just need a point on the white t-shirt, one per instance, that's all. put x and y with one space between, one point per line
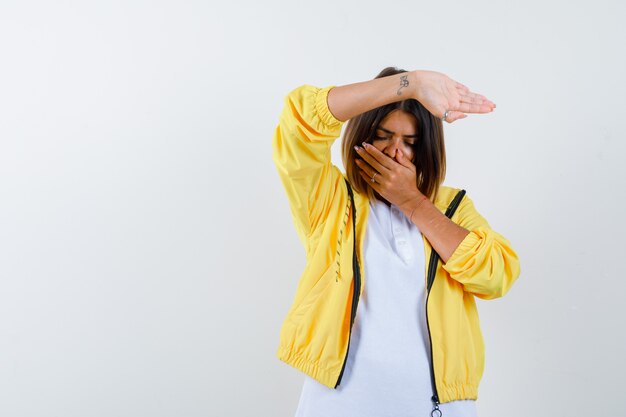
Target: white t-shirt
387 372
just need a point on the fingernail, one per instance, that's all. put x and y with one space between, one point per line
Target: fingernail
356 148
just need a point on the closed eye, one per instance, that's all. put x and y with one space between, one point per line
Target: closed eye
408 142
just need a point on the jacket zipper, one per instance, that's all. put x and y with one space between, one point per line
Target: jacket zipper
431 279
434 258
432 269
357 282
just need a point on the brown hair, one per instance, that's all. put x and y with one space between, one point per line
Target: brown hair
429 148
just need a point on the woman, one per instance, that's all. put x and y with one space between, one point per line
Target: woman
379 326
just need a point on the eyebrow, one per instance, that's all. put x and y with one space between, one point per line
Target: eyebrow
389 131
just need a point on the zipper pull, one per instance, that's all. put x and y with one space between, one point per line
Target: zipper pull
436 411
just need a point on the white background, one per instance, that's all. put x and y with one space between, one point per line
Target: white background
147 251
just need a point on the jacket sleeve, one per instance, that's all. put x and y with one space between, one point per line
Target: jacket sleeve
301 152
484 262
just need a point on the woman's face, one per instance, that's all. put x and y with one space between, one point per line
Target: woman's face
398 130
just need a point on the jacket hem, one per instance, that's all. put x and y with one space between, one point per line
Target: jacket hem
454 392
325 376
328 377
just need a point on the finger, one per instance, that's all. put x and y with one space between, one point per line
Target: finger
369 171
465 95
475 98
382 158
378 160
475 107
462 88
368 179
454 116
468 96
403 160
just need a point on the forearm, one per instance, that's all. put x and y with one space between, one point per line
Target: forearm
443 234
350 100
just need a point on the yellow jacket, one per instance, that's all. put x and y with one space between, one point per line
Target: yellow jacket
315 334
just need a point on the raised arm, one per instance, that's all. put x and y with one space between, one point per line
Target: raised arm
301 152
436 91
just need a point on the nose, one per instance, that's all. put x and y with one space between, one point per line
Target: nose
393 144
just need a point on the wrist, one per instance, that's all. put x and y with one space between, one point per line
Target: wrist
412 205
415 80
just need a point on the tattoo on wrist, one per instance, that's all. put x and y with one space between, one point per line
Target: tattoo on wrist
404 82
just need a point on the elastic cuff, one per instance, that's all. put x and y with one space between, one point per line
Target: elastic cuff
321 106
459 258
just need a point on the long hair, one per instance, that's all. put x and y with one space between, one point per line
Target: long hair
429 148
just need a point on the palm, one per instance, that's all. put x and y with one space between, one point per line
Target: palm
438 93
